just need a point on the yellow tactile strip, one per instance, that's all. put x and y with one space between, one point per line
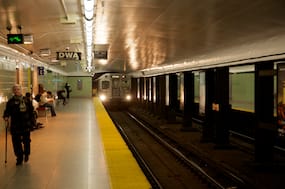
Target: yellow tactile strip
124 171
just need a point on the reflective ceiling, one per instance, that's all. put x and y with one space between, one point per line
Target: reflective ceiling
140 34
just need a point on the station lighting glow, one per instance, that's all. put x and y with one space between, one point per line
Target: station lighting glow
103 97
128 97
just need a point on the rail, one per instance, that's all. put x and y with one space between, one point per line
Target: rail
151 177
184 158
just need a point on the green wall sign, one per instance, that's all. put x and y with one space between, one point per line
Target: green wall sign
15 38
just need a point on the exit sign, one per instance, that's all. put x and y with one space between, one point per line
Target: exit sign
15 38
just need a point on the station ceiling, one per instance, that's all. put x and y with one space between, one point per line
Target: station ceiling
145 34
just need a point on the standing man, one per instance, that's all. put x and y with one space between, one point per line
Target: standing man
20 110
68 90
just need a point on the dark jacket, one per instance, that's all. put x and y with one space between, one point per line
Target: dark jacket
21 121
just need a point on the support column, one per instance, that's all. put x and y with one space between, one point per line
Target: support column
171 114
157 98
144 97
208 127
161 95
141 91
151 95
147 102
140 88
188 101
221 107
134 90
265 132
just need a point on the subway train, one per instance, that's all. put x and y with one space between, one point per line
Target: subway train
114 89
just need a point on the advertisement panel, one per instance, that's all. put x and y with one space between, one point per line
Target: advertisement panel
281 100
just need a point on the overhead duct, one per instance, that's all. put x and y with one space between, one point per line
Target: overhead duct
68 20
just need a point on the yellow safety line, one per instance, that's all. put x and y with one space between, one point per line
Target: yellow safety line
124 171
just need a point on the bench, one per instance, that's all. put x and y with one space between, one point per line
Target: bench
42 111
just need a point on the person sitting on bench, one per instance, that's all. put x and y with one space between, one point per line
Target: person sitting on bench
48 102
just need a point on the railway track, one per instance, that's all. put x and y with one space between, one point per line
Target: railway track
165 161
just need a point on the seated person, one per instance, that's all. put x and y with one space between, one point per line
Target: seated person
38 97
47 102
50 95
60 95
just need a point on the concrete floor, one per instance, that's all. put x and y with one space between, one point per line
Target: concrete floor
66 154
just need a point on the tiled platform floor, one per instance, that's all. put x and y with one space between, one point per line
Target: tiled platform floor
66 154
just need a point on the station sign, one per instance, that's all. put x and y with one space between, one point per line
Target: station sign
15 38
68 55
101 54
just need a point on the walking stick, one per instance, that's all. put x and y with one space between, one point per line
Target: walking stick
6 134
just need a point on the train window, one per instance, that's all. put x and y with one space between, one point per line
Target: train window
105 84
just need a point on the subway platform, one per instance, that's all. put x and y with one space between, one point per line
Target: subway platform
78 149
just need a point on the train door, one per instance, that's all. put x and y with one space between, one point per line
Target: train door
115 87
125 85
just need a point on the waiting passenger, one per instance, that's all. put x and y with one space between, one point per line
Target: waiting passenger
68 90
50 95
38 97
48 102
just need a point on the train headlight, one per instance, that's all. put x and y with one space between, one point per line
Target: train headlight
128 97
102 97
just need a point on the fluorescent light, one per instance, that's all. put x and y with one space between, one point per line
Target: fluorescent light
28 39
89 9
88 14
45 52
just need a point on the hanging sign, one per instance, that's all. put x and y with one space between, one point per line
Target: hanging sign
41 70
68 55
100 54
15 38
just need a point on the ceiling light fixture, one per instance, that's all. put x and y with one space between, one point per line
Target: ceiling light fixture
89 15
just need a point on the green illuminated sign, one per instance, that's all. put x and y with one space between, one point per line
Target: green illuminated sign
15 38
